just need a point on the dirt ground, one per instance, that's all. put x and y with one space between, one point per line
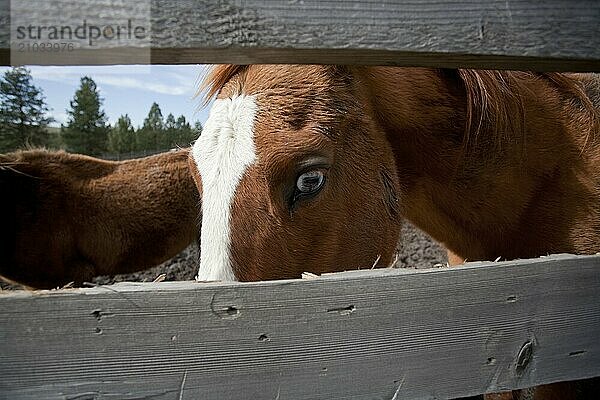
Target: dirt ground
415 250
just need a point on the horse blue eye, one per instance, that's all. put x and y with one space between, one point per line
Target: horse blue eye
310 182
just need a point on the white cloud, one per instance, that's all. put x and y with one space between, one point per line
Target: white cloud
170 80
135 83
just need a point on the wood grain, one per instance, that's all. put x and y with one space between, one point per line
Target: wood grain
514 34
439 333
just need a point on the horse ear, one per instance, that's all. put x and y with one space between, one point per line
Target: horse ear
390 194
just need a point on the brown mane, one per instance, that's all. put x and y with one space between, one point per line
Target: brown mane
493 99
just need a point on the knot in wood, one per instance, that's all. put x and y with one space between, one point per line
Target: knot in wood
524 356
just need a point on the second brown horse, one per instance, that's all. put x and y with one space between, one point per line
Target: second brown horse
68 217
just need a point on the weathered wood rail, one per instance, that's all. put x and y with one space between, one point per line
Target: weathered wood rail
515 34
388 334
377 334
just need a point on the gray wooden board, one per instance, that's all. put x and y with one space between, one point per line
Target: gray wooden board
439 333
518 34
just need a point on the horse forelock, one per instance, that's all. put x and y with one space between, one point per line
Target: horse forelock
217 77
312 80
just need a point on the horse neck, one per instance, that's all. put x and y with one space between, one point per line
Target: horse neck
480 203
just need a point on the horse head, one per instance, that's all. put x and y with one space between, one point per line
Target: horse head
294 174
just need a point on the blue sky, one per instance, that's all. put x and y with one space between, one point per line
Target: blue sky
126 89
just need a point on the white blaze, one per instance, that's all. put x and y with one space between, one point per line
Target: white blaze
222 153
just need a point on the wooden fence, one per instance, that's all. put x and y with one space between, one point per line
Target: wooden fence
377 334
521 34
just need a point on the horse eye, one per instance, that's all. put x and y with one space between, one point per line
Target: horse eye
310 182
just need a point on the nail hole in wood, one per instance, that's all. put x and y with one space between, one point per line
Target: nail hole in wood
232 311
343 310
264 338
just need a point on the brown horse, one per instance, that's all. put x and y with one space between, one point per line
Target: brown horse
311 168
68 217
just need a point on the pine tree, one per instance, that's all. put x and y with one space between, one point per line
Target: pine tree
150 134
86 130
121 138
186 134
23 111
170 132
